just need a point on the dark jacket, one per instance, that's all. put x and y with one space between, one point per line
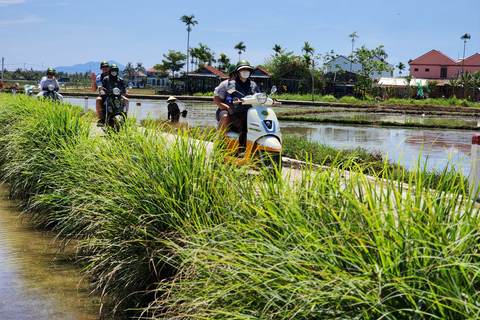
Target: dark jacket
243 89
110 82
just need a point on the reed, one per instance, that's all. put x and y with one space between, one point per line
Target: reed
166 230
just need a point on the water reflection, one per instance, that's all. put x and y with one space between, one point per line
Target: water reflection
36 282
404 145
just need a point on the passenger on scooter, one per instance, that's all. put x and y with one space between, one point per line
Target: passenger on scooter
243 86
48 80
109 82
96 79
219 96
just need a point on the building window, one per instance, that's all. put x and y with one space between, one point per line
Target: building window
443 72
427 70
416 69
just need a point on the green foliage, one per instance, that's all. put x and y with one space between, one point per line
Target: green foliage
165 229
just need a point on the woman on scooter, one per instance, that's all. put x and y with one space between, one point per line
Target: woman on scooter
244 86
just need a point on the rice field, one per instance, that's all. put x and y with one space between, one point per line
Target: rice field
165 230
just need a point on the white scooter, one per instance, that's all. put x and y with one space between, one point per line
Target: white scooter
264 140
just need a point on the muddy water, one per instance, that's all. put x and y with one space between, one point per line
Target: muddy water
401 145
36 281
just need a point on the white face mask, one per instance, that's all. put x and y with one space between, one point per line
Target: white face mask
245 74
114 73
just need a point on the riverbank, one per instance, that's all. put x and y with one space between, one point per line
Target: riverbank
164 230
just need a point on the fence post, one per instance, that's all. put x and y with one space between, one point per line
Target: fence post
475 166
139 112
85 106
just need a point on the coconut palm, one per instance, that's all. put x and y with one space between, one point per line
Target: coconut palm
240 47
277 49
464 38
223 62
140 67
353 35
189 22
129 71
400 68
309 51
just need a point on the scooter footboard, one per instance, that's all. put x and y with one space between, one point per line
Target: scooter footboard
269 143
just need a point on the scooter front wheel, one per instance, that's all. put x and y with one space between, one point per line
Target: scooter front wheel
272 161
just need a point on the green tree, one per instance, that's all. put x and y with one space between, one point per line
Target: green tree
277 49
174 61
408 80
352 35
189 22
453 81
372 61
223 62
465 80
400 68
475 85
140 67
464 38
129 71
309 52
240 47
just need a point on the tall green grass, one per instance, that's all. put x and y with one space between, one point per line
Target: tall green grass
166 230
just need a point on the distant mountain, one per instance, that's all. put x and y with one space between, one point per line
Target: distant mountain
92 66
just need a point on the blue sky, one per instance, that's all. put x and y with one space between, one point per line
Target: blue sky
44 33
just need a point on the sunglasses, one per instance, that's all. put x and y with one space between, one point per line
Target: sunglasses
50 74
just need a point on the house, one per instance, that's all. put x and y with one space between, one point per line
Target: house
345 64
262 78
436 65
157 78
137 81
205 79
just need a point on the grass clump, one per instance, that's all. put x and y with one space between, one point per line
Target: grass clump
166 230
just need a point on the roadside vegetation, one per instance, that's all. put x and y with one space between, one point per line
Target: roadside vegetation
166 231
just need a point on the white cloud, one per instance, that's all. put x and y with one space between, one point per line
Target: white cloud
29 19
4 3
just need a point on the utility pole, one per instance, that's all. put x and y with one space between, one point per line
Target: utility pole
2 68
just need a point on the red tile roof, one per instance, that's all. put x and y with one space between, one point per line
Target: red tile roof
213 70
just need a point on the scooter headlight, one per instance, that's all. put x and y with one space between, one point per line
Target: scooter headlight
262 98
116 91
51 87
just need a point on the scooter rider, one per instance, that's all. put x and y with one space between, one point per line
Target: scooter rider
49 80
243 86
111 81
104 66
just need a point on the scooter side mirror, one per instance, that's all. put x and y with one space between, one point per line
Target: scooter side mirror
231 87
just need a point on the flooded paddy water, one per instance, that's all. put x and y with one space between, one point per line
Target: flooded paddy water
36 280
400 144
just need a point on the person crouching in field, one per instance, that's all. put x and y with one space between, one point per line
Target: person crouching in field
173 109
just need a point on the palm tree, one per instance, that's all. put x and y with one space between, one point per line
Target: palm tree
140 67
277 49
400 68
464 38
129 71
240 47
453 83
309 51
353 36
189 21
223 62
